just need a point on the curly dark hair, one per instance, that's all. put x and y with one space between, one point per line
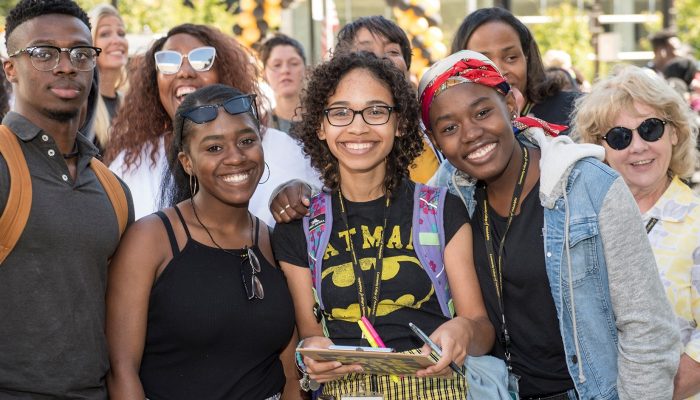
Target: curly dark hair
323 83
538 87
30 9
142 119
176 182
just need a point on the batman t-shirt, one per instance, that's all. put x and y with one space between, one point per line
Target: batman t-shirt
406 292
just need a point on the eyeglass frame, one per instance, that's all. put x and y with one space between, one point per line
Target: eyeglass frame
631 133
30 52
182 58
361 112
252 108
256 291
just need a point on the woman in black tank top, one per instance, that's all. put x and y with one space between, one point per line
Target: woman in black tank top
196 309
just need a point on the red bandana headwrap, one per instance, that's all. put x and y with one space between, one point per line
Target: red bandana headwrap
462 67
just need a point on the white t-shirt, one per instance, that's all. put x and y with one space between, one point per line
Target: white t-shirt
283 155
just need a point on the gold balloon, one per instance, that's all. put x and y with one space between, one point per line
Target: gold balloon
246 20
438 51
248 5
418 26
435 34
431 6
250 35
273 17
272 3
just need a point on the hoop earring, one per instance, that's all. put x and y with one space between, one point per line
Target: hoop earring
194 185
268 174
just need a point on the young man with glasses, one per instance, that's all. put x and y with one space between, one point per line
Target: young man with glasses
52 283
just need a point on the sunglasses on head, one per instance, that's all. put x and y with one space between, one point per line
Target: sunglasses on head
235 105
651 130
201 59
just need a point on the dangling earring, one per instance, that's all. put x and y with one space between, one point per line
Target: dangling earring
514 116
268 174
194 185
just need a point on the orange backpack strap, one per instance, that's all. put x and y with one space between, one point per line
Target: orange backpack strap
19 201
115 192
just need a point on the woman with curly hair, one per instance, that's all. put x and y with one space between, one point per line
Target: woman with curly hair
360 130
187 58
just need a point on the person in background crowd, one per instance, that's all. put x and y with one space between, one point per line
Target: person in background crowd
666 46
284 69
560 260
649 136
187 58
680 73
196 308
52 283
109 34
360 129
496 33
385 39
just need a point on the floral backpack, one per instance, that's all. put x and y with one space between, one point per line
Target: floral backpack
428 240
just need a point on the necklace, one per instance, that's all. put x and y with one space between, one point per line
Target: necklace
196 216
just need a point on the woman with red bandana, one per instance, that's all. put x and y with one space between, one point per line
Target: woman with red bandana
560 265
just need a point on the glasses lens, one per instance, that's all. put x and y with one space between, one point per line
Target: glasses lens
201 59
258 291
44 58
201 114
376 115
237 105
168 62
253 260
618 138
83 58
340 116
651 129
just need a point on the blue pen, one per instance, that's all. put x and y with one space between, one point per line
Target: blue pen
435 348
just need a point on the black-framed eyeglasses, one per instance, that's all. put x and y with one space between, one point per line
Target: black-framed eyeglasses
251 282
372 115
235 105
651 130
201 59
46 58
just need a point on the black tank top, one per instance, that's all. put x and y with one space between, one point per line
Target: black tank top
205 339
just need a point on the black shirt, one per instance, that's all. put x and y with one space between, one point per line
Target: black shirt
407 294
537 351
557 108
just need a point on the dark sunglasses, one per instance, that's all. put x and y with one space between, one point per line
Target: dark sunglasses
251 282
651 130
235 105
201 59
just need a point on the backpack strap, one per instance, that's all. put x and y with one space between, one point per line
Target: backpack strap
114 191
317 230
19 202
429 240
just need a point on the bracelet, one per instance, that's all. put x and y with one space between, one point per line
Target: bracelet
306 383
299 360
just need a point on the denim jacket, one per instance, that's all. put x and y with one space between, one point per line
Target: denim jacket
618 330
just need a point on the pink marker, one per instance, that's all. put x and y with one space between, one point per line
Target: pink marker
373 332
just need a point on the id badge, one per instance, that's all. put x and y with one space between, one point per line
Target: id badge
362 396
513 387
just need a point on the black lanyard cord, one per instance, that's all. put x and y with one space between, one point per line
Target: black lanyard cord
496 261
366 310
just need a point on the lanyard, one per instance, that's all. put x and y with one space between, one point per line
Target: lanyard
496 261
650 224
366 310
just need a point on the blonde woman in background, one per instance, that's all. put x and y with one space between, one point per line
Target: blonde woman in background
108 33
649 136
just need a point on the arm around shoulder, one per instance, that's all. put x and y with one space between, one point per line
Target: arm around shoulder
648 337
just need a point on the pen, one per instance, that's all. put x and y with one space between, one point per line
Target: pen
373 338
435 348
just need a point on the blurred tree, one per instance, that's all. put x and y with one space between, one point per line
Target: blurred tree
687 17
568 31
144 16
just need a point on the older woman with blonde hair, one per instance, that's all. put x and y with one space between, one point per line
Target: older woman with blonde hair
649 136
